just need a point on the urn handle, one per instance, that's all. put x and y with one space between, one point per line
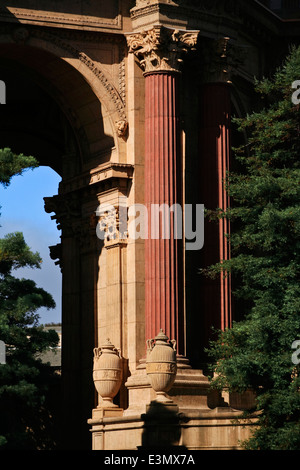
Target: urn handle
173 341
97 352
118 351
150 343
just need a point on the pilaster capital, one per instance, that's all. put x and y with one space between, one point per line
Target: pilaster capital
66 209
161 48
69 219
112 224
56 254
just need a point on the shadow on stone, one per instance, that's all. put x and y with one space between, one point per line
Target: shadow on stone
162 428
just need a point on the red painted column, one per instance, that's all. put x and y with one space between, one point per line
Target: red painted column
215 160
163 257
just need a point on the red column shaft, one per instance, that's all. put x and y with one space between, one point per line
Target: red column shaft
163 256
215 155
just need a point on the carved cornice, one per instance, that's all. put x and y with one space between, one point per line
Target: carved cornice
141 3
99 176
59 19
160 48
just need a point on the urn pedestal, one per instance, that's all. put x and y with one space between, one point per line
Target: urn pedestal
161 365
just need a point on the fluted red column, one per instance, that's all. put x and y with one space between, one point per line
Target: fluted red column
159 51
163 256
215 156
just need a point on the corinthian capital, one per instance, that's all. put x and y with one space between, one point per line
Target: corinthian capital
161 48
220 59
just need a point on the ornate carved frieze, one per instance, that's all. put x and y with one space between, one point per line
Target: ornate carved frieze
161 48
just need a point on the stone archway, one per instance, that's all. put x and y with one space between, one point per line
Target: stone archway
59 110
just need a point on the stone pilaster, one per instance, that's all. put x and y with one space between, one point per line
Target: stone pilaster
112 312
114 235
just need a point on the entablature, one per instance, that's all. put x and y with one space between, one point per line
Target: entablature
90 16
102 175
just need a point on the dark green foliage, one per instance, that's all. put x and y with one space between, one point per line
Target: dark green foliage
12 164
24 380
256 353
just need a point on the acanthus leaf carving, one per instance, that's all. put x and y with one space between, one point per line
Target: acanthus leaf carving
221 58
161 48
112 224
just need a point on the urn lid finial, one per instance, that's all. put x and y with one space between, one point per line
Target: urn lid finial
108 344
161 336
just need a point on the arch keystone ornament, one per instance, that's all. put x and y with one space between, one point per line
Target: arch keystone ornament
161 365
107 373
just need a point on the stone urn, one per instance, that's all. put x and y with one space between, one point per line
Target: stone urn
107 373
161 365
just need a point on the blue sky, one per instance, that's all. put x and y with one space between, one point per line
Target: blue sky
22 210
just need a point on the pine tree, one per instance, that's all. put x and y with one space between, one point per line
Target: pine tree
256 352
24 378
12 164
